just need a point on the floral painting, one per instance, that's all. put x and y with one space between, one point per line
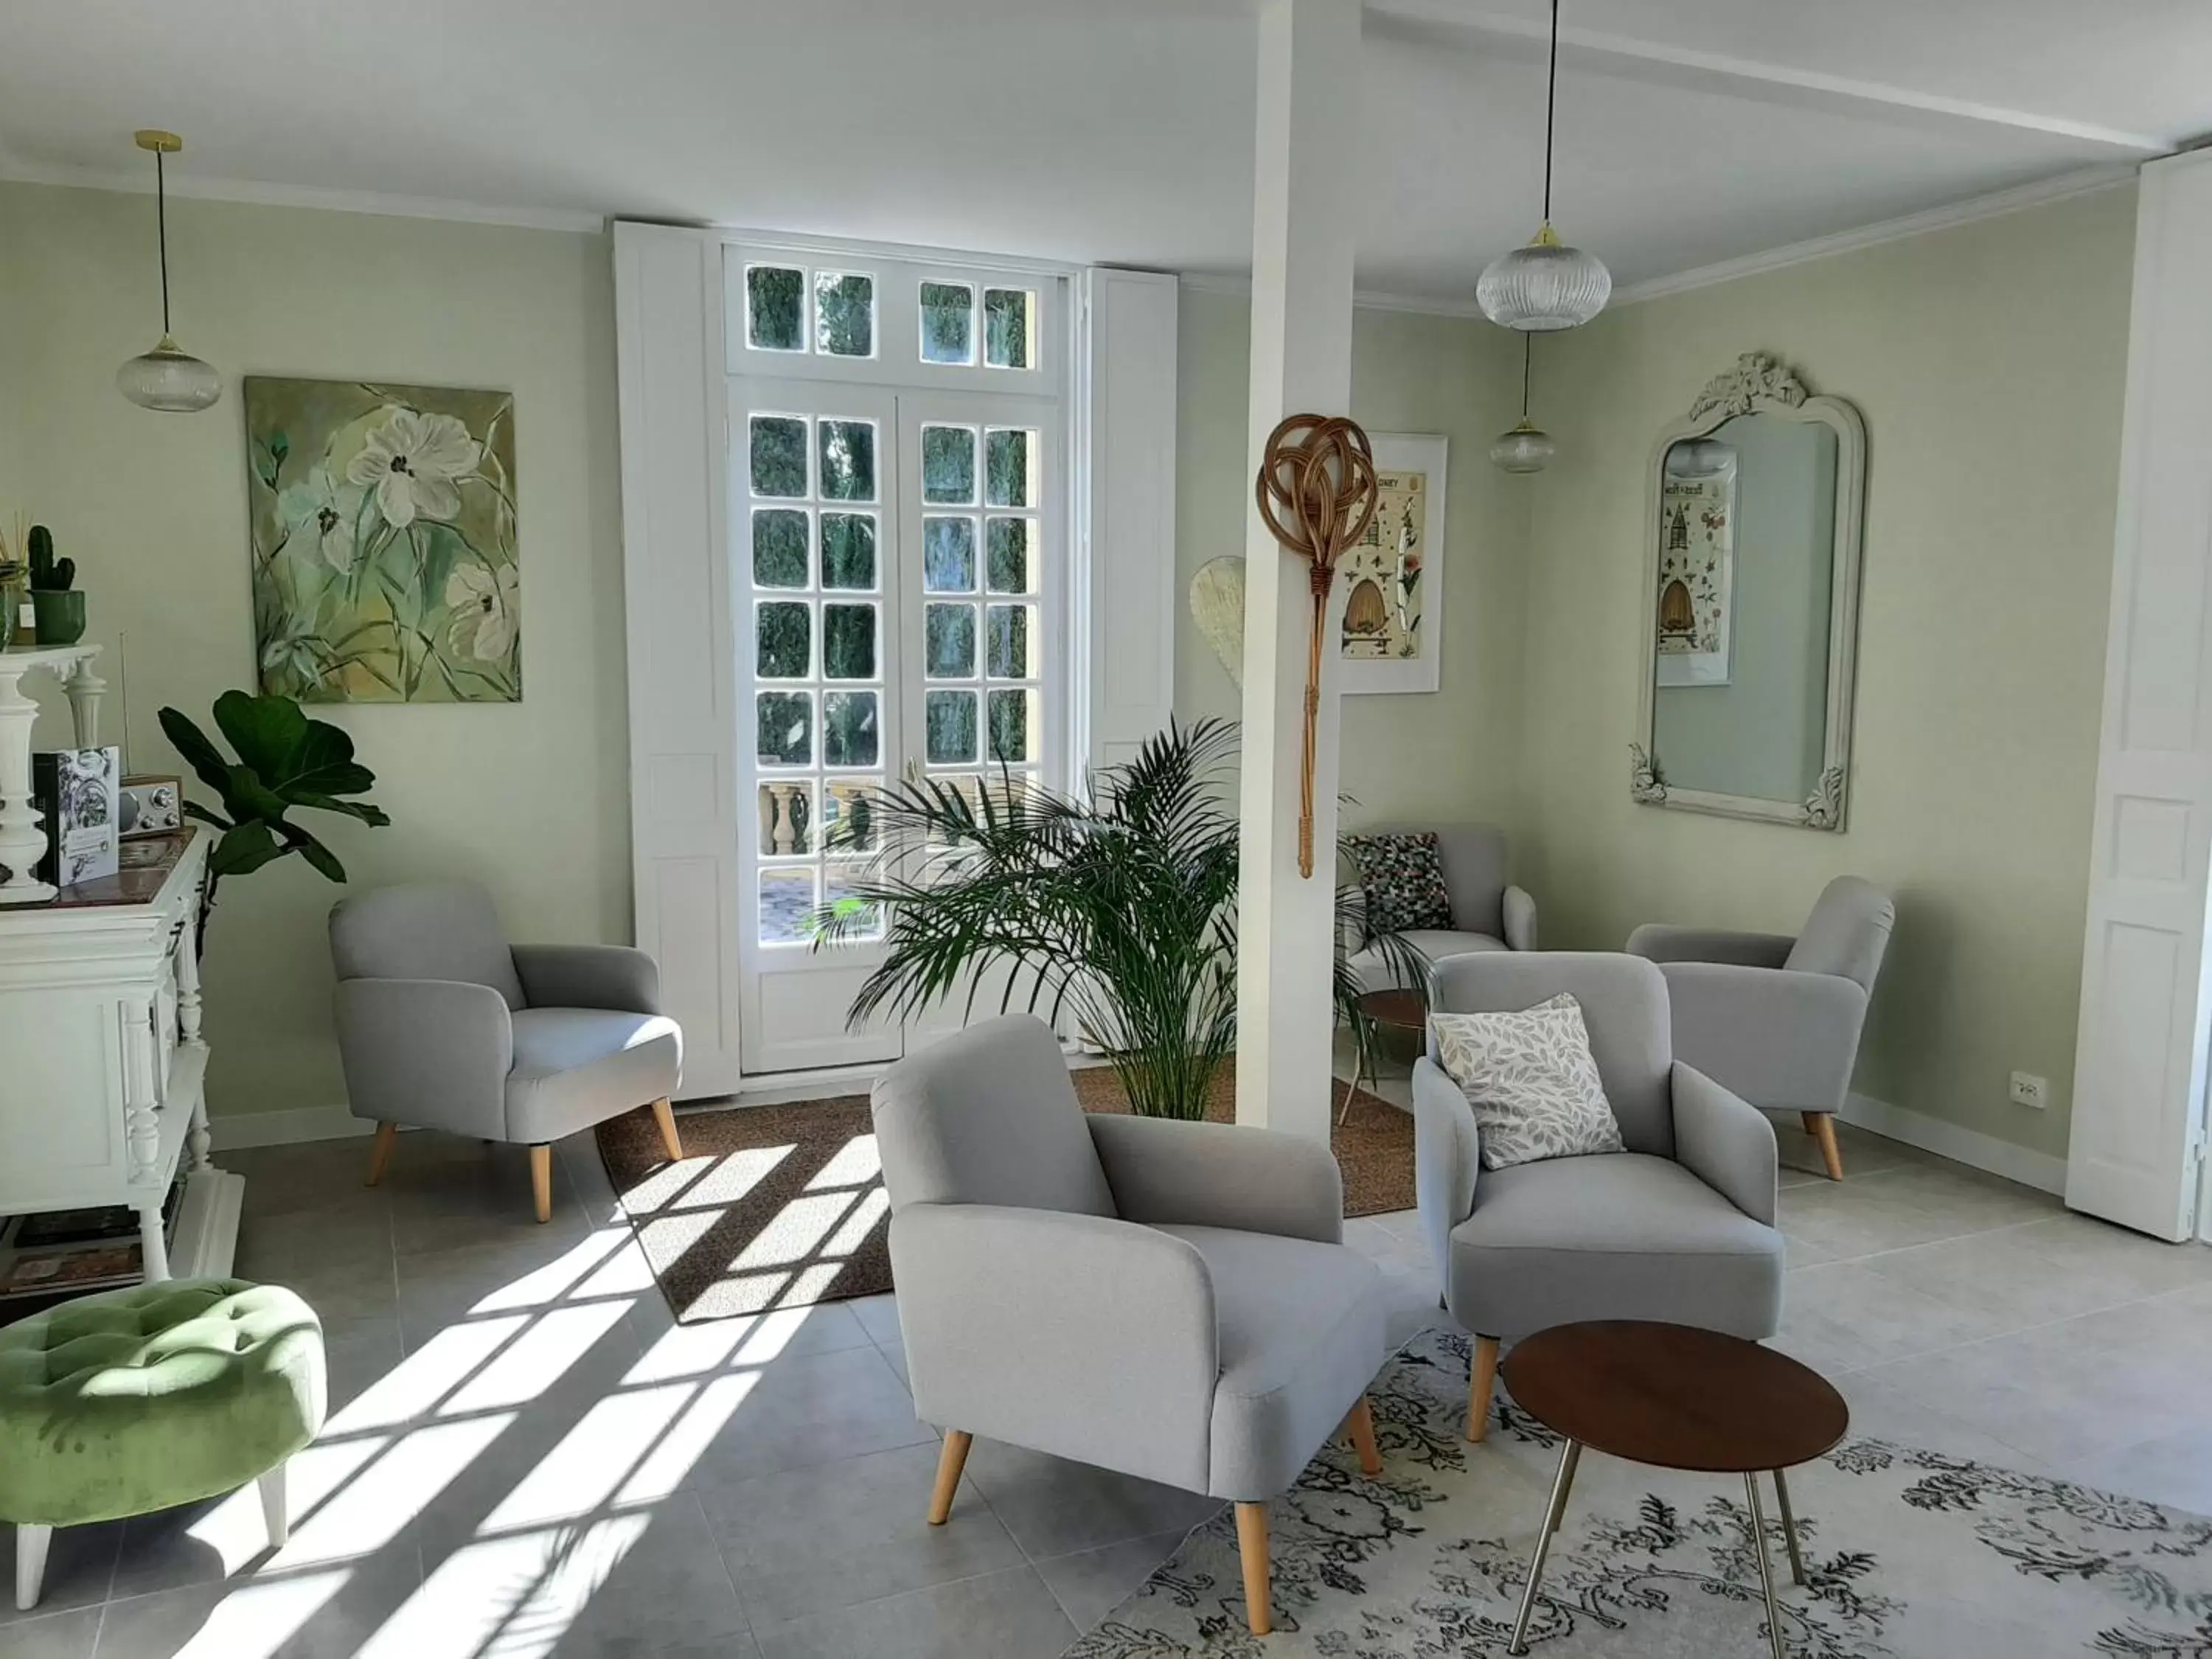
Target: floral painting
385 565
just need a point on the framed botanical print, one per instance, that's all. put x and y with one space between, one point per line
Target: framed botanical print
1390 633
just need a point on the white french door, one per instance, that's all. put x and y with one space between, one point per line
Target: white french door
898 587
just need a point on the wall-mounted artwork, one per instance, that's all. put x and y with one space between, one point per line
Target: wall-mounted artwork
1389 638
1696 565
386 563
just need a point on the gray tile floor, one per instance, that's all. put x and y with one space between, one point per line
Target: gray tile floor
527 1457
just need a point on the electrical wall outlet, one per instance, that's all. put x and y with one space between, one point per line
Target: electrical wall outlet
2028 1090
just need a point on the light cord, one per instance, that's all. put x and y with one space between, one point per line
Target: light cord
1551 103
1527 350
161 229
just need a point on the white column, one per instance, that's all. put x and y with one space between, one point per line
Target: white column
1304 207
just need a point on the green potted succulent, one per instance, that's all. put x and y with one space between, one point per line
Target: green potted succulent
57 605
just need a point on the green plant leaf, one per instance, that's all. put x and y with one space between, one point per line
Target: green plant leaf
288 752
362 809
202 756
245 847
315 852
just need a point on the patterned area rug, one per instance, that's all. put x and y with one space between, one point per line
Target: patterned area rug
1909 1554
781 1206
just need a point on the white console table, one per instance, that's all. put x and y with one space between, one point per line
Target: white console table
103 1069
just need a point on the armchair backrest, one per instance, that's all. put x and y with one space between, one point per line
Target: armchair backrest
424 930
988 1115
1473 859
1624 1004
1847 933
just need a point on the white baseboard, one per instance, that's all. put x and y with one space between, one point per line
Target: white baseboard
1961 1146
283 1128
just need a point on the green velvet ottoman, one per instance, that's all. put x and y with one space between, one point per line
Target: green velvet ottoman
142 1399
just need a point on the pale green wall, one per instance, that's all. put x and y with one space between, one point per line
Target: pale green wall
1450 755
1989 361
531 797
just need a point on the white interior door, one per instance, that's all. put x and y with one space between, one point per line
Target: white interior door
2139 1080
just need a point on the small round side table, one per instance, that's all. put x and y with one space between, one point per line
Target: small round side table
1402 1011
1678 1398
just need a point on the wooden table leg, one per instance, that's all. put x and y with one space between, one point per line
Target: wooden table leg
1562 1483
1358 1059
1765 1567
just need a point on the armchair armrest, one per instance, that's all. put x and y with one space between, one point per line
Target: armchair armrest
1785 1042
1080 1335
1216 1175
430 1052
1520 920
618 976
1661 942
1724 1141
1447 1159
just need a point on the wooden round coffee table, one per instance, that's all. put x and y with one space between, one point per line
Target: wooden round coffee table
1402 1011
1677 1398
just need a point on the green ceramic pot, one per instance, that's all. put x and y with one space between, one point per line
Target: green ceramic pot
60 615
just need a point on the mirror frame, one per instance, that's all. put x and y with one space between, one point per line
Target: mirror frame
1759 384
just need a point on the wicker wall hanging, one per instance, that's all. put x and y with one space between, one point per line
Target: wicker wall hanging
1316 494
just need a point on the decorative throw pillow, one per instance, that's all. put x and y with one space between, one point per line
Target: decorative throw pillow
1403 879
1532 1081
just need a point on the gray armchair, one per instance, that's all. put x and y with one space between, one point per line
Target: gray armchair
1488 912
1678 1227
442 1025
1777 1019
1168 1300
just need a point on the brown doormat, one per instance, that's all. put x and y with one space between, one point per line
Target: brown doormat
782 1206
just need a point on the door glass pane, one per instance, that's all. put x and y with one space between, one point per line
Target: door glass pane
948 323
849 728
1013 720
848 551
776 307
948 556
1012 555
778 548
1008 478
948 464
950 718
779 455
849 460
865 920
784 726
1009 328
949 641
848 816
848 647
786 901
1010 631
844 314
783 631
787 819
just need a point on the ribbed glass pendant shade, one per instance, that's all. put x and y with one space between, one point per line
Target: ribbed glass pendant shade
1527 448
1544 287
169 378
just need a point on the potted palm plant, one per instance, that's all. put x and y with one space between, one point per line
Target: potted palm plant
1118 905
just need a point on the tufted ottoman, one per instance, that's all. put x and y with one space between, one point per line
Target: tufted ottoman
140 1399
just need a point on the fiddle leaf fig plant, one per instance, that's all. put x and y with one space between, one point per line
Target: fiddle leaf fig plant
286 762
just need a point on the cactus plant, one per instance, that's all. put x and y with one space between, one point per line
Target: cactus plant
48 574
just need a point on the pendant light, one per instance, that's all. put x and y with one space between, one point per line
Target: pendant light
1545 285
168 377
1526 447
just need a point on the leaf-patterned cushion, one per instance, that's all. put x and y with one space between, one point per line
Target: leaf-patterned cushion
1402 877
1532 1081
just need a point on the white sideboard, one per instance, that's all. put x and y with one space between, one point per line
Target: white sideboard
102 1064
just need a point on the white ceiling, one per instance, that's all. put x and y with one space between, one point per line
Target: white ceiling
1691 131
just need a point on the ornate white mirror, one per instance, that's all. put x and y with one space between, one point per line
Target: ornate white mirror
1751 584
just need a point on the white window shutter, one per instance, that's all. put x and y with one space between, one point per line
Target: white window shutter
1127 513
683 840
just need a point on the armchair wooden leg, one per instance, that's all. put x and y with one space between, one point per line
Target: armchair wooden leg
1360 1426
1252 1547
1821 1125
950 1459
381 1153
665 1116
1481 1377
541 1180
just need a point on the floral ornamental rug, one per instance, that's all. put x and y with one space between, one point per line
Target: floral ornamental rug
1908 1553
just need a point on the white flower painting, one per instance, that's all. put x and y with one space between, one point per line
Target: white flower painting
386 562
